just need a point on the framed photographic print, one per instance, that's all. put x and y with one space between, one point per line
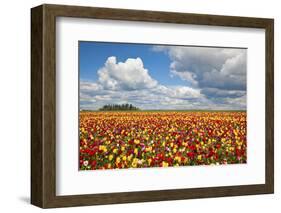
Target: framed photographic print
136 106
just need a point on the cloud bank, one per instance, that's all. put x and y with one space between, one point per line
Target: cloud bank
213 78
128 75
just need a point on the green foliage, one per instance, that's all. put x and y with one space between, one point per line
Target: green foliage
119 107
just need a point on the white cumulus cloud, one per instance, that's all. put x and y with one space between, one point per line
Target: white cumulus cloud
128 75
208 67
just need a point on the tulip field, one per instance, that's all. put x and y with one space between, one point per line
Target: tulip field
141 139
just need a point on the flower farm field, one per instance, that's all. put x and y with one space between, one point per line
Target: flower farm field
141 139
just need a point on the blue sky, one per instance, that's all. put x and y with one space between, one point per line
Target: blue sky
161 77
94 54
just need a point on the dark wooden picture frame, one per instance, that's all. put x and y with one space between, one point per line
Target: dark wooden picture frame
43 105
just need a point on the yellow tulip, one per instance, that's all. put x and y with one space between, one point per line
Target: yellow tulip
136 151
135 162
177 158
130 157
148 149
118 160
165 164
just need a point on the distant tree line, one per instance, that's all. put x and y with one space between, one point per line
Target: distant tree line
118 107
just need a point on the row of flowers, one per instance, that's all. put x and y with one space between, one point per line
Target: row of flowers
110 140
